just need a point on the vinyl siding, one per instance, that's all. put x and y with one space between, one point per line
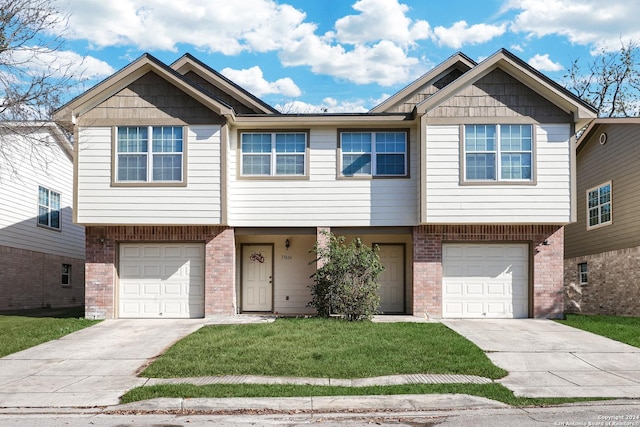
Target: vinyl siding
46 166
548 201
196 204
616 161
323 198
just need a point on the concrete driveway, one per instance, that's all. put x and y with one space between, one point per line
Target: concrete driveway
90 367
547 359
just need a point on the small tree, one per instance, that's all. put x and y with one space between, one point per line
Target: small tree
346 281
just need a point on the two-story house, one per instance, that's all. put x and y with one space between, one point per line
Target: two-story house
602 250
200 199
41 250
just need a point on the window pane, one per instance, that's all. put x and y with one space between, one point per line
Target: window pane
55 219
43 196
132 139
167 167
167 139
256 142
256 165
481 166
356 164
593 198
43 215
480 137
605 213
290 142
515 166
352 142
390 164
515 138
391 142
289 164
605 194
594 217
132 167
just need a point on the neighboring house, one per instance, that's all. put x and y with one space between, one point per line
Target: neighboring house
41 250
200 199
602 251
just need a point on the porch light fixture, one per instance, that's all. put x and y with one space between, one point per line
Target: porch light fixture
102 241
287 243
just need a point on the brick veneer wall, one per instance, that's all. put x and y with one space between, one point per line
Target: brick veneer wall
102 247
547 262
613 283
32 279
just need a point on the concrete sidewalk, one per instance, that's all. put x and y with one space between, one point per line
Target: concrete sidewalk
547 359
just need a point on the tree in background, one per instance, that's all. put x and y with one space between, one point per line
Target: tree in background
346 283
34 76
610 82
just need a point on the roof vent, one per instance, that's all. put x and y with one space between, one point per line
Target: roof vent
603 138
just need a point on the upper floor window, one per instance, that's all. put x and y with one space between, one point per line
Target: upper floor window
273 153
374 153
149 153
48 208
498 152
599 206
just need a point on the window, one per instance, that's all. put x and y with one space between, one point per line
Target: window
582 273
599 206
374 153
66 274
141 160
48 208
271 154
498 152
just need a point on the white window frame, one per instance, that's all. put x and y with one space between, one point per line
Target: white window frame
48 207
583 274
498 151
274 154
374 153
599 206
150 156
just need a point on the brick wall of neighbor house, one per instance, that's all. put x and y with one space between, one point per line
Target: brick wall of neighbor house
547 262
32 279
102 256
612 283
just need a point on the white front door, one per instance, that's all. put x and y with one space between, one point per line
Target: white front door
257 278
392 278
485 280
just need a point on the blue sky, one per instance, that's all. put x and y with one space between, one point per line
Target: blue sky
340 55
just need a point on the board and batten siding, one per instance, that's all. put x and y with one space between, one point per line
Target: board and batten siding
46 166
615 161
323 198
198 203
548 201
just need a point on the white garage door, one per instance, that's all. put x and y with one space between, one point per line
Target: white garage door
485 280
161 280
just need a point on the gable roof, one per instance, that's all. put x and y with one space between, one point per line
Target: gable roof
597 123
457 61
127 75
503 59
188 63
28 127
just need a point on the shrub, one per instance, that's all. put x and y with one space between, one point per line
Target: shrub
346 283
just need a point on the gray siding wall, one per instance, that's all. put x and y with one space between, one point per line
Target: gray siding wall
617 161
500 95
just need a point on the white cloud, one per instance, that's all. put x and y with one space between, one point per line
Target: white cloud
544 63
252 79
380 20
461 33
369 47
582 22
59 63
328 106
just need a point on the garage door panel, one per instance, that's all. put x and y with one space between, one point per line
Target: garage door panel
161 280
485 280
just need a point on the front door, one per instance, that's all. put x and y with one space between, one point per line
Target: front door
257 278
392 278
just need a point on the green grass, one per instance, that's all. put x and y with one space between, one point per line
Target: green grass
323 348
493 391
24 329
619 328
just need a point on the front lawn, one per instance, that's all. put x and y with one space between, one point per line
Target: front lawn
323 348
619 328
22 330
